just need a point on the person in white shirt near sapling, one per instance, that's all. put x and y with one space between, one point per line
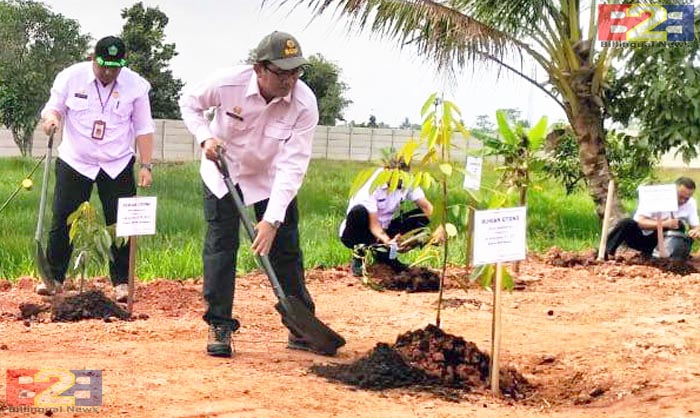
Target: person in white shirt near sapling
373 220
102 107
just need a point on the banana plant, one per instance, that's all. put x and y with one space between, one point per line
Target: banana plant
91 241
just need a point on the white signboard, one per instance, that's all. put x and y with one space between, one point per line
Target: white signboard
136 216
499 235
658 198
472 173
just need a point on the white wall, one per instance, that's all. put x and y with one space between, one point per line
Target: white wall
173 142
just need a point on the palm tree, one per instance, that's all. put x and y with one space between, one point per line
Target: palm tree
453 33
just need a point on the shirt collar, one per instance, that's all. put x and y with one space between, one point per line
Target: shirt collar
91 77
253 90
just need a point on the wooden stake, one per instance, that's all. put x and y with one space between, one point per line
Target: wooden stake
606 221
132 271
496 330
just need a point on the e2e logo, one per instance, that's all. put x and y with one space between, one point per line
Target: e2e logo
646 22
54 387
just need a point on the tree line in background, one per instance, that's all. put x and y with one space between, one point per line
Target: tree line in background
37 43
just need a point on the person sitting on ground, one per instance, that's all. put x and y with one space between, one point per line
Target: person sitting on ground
639 232
371 220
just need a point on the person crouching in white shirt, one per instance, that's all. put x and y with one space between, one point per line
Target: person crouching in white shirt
373 220
639 232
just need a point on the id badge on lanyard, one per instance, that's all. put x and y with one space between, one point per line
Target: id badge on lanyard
98 130
99 127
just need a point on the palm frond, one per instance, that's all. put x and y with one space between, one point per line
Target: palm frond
438 31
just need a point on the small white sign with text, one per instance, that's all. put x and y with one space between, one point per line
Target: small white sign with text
136 216
472 173
658 198
499 235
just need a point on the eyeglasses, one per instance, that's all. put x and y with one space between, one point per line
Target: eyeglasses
297 72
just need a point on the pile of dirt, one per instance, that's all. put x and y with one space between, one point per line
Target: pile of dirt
92 304
559 258
170 297
32 310
425 358
382 368
668 266
414 279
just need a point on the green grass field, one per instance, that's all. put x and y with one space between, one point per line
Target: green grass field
554 219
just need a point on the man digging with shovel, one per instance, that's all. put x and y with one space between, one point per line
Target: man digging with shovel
102 107
258 145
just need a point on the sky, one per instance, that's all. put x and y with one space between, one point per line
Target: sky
383 80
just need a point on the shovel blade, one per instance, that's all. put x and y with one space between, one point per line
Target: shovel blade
302 322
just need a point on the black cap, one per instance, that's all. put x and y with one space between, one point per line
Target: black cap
110 51
281 49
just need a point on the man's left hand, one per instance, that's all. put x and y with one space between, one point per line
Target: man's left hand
145 178
265 235
694 233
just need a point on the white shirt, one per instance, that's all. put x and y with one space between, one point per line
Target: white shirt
268 145
381 202
127 114
687 212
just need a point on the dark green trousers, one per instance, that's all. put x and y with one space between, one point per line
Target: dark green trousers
221 247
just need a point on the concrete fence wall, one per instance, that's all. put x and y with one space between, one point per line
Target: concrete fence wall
173 142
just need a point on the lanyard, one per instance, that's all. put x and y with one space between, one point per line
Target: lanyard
109 96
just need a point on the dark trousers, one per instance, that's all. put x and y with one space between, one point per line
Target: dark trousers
628 231
221 247
357 226
72 189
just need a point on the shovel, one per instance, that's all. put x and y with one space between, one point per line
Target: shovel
295 315
41 261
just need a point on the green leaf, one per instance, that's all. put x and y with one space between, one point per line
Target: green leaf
446 169
360 180
504 128
382 179
394 182
451 230
537 134
428 104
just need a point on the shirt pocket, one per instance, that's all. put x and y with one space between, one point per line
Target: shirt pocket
278 133
79 109
121 112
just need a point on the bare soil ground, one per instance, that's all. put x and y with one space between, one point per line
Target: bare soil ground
613 339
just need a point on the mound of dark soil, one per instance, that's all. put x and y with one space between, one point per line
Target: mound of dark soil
560 258
666 265
30 310
425 358
92 304
382 368
414 279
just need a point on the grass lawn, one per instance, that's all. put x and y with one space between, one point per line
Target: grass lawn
554 219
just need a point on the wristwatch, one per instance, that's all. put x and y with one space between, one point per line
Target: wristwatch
276 224
147 166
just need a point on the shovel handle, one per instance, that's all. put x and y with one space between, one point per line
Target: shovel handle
44 188
248 225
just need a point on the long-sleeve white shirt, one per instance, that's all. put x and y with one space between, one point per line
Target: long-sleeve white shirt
79 98
268 145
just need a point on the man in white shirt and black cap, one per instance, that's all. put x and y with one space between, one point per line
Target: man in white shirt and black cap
103 108
264 118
